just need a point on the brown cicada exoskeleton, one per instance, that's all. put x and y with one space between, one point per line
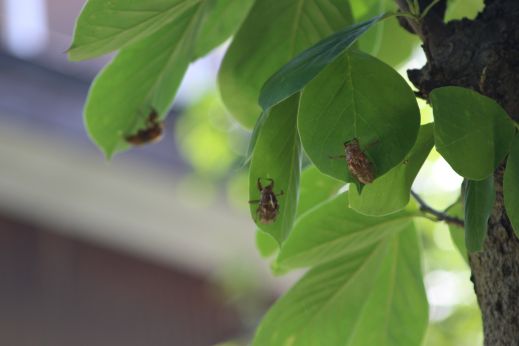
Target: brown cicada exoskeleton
151 133
268 205
358 163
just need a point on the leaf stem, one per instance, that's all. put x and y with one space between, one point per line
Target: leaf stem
428 8
438 215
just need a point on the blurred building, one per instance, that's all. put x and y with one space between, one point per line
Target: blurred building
95 252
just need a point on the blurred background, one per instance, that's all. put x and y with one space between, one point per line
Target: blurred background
156 246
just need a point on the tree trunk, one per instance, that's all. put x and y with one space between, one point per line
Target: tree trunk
481 54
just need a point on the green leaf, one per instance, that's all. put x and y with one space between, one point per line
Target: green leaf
391 192
104 26
221 20
387 41
358 97
511 185
472 132
315 189
143 76
333 230
277 156
479 201
273 33
457 233
372 297
297 73
267 246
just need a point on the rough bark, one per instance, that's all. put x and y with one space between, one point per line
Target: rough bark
482 54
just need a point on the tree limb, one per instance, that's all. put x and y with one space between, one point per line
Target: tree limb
440 216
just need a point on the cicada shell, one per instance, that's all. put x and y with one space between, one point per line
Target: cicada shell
268 206
151 133
358 163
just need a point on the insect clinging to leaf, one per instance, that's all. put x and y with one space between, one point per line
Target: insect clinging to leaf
358 163
268 206
151 133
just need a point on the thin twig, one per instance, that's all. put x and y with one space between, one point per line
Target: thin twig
440 216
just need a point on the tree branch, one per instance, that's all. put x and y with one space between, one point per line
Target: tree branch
440 216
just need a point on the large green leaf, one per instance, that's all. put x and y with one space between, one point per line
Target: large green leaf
372 297
315 189
359 97
277 156
333 230
391 192
479 201
104 26
472 132
143 76
271 35
511 185
297 73
222 19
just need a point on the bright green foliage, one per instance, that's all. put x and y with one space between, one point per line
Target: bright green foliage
277 156
301 69
105 26
374 296
479 200
390 192
358 97
511 185
267 246
293 76
472 132
142 77
273 33
316 188
159 39
333 230
221 20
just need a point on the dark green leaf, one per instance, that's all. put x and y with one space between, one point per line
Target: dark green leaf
387 41
277 156
143 76
479 200
104 26
273 33
333 230
293 76
391 192
511 185
358 97
472 132
372 297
